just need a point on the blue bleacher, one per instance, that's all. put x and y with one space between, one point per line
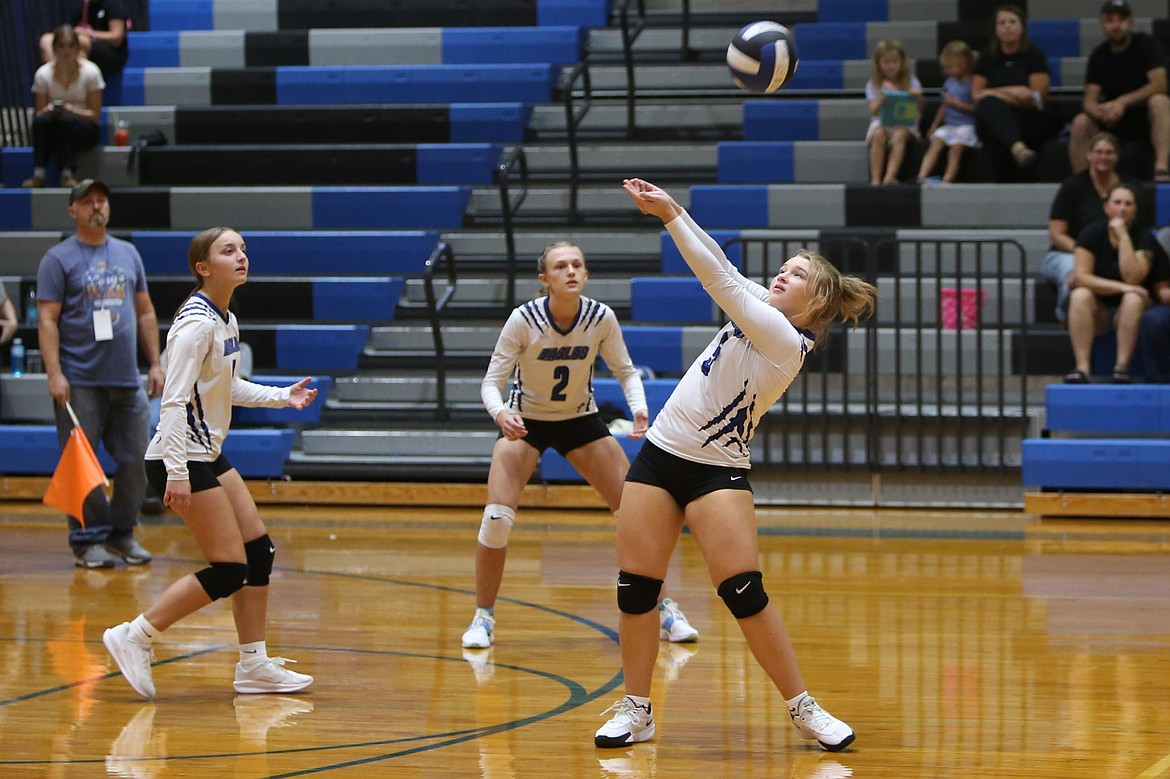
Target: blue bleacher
31 450
1130 447
301 253
665 299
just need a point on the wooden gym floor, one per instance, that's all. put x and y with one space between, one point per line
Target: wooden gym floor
957 644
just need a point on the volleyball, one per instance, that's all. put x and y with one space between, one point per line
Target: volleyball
762 57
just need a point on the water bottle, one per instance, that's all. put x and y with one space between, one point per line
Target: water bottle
17 357
30 307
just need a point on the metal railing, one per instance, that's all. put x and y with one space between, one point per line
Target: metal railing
513 160
574 116
630 33
936 379
436 305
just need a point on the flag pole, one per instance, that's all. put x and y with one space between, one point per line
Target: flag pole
73 416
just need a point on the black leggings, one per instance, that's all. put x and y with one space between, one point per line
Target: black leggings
63 135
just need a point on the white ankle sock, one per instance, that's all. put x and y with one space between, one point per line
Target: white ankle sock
142 631
251 655
644 702
794 701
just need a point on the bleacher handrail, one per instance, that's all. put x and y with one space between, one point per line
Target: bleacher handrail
574 115
630 34
513 159
435 307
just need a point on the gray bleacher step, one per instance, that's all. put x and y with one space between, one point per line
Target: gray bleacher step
530 243
719 119
419 445
675 161
460 338
405 388
475 291
547 205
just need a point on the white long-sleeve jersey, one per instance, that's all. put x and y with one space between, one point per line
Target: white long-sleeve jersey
202 385
716 407
551 370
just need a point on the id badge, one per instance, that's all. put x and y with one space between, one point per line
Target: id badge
103 325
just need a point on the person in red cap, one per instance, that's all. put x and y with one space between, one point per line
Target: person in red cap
1125 92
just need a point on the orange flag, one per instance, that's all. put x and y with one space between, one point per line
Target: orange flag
78 474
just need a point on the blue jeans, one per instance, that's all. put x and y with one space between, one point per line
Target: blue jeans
1155 342
1057 267
117 417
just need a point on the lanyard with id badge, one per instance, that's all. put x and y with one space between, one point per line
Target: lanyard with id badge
103 318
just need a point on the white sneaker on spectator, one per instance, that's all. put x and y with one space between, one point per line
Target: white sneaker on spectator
630 724
270 675
133 658
813 722
481 633
673 625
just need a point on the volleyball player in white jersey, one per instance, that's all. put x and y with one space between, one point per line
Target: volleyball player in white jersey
185 465
693 467
548 347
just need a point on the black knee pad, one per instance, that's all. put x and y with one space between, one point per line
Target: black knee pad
637 594
220 580
261 552
744 594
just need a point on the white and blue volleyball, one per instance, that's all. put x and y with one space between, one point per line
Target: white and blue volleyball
762 57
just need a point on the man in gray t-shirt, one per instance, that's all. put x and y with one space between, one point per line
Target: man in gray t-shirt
94 313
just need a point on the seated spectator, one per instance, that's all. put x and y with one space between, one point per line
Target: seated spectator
1117 274
891 126
1155 327
1010 87
953 127
1125 91
1079 202
8 321
68 105
101 27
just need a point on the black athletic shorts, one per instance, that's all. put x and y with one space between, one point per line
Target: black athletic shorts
683 479
564 435
203 476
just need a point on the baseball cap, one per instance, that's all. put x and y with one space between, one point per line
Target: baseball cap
84 187
1116 7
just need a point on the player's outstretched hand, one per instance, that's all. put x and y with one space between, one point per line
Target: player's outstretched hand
641 425
299 394
651 199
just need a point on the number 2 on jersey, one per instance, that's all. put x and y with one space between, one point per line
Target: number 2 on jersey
561 374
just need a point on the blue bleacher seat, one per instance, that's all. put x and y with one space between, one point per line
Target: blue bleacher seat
301 253
781 120
182 15
1138 408
831 41
366 300
756 162
657 391
380 207
664 299
586 13
657 347
853 10
325 85
560 45
1130 450
323 348
730 205
31 450
15 209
